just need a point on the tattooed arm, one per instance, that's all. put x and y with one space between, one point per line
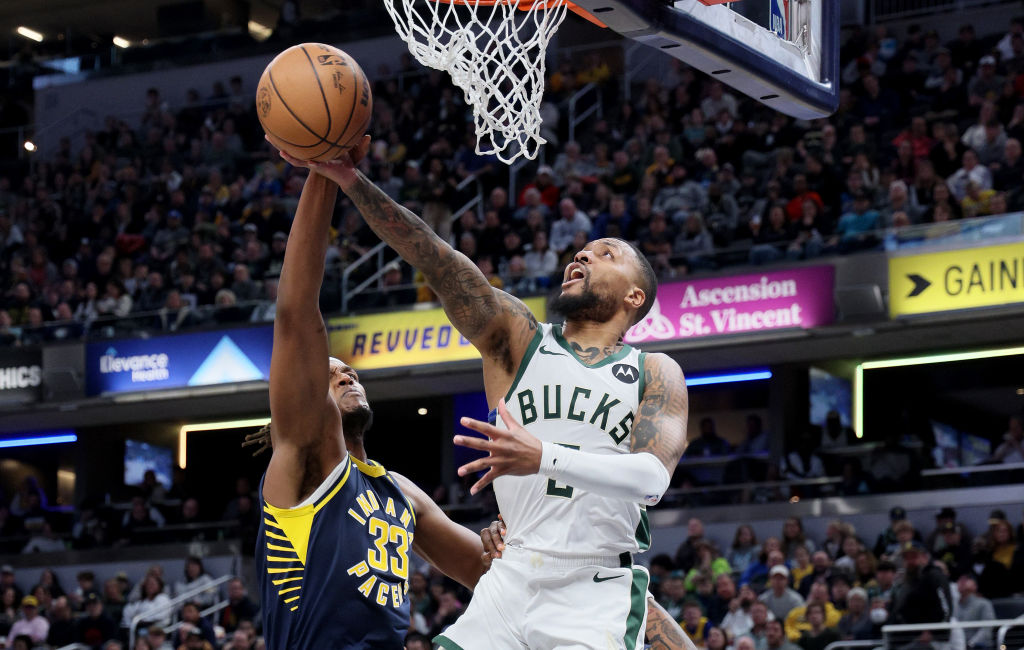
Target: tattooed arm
660 426
497 324
663 633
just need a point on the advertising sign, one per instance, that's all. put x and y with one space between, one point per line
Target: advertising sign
792 298
404 338
196 359
987 276
21 375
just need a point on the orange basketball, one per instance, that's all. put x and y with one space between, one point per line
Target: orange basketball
314 101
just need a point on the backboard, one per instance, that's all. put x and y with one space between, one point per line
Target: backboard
784 53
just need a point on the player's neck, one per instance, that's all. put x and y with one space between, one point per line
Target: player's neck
592 334
355 446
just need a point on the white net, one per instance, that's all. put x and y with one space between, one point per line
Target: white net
494 52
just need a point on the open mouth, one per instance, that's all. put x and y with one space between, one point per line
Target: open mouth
576 273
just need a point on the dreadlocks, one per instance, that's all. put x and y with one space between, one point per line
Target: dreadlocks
261 438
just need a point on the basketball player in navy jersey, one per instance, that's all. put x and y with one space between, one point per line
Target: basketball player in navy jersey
337 528
605 428
334 542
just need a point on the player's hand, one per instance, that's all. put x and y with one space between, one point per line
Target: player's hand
343 170
493 539
515 452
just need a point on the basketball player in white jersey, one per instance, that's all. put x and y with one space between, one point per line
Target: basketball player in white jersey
603 427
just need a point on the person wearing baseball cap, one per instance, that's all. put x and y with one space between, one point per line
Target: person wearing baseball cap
954 551
780 598
96 627
32 625
936 541
924 596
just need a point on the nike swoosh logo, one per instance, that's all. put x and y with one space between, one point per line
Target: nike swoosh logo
597 577
554 354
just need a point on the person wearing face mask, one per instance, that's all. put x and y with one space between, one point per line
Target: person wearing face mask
878 614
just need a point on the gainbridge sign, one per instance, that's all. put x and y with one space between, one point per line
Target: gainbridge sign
404 338
966 278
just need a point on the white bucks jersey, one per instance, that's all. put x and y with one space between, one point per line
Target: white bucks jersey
562 400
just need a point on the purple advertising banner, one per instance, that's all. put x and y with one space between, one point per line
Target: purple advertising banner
800 297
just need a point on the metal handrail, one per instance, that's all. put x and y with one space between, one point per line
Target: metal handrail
835 645
972 469
806 482
948 625
596 107
377 250
171 604
1003 629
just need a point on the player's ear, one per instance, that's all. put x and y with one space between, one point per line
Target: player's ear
636 297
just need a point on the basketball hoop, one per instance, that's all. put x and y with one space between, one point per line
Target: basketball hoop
494 51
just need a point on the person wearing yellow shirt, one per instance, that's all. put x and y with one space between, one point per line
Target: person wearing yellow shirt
694 623
796 620
802 566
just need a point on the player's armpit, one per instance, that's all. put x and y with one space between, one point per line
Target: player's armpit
660 425
663 633
454 549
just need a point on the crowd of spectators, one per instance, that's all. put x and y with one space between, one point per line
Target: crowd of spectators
179 216
790 591
821 459
149 514
101 616
753 592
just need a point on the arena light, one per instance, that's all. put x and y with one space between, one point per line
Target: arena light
211 426
30 146
259 31
858 373
31 441
30 34
422 410
122 42
730 378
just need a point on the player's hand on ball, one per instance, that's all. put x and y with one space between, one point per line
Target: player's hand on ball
515 452
493 539
342 171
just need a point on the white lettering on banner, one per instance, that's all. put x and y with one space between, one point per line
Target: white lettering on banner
763 290
732 320
20 377
143 367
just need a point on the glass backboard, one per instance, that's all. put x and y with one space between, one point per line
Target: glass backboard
784 53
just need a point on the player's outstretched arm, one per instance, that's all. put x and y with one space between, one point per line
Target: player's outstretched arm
454 549
497 324
300 404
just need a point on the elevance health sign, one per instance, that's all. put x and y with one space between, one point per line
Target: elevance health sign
196 359
791 298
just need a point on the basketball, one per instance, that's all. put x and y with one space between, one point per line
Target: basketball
314 101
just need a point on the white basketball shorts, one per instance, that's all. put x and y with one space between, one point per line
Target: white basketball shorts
543 602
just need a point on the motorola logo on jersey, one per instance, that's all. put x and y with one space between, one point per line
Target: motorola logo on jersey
625 373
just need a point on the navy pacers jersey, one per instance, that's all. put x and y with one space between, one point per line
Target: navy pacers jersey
334 570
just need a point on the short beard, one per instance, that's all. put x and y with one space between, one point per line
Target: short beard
357 422
587 306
